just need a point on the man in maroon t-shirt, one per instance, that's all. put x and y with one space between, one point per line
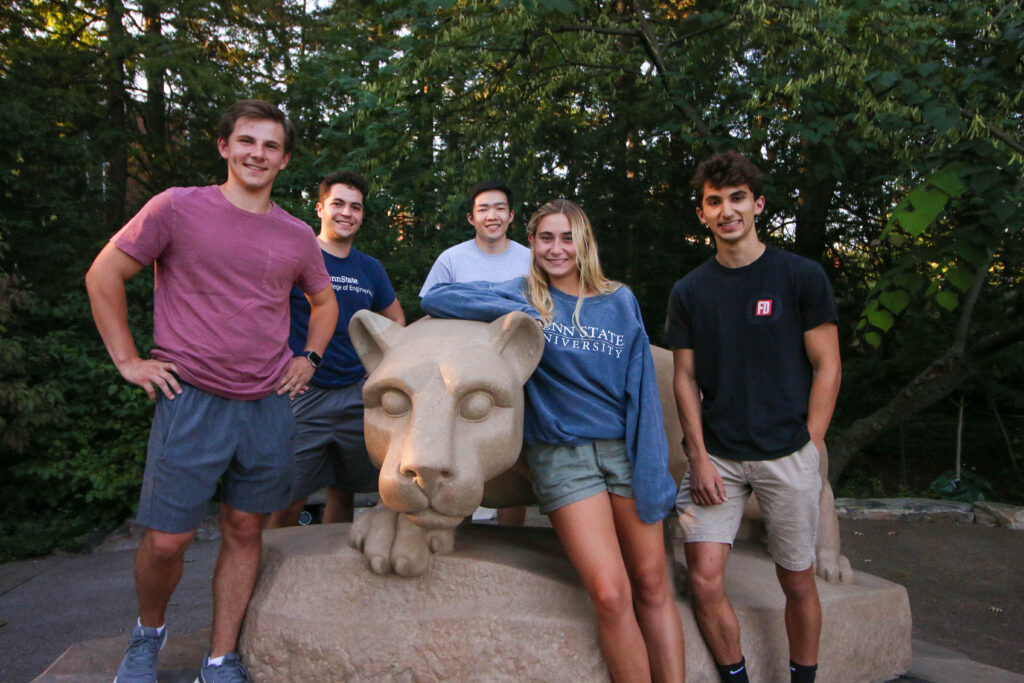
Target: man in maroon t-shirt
221 372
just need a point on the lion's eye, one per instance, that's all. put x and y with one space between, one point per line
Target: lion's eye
394 403
475 406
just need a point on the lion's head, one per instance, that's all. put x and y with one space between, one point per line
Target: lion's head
444 407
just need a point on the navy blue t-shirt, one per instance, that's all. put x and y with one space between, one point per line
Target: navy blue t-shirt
745 326
359 282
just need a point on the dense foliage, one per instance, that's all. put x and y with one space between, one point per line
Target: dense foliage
891 132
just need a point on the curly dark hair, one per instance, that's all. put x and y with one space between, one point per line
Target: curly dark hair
728 169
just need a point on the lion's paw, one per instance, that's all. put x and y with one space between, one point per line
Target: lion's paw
833 567
393 544
441 541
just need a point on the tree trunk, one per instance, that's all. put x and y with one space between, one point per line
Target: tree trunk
155 118
116 149
812 206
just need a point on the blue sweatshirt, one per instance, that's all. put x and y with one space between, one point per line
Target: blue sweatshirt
594 383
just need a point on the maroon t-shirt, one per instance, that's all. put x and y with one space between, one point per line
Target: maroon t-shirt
222 278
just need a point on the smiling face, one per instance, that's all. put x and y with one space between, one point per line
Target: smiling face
490 217
729 212
555 251
341 213
255 153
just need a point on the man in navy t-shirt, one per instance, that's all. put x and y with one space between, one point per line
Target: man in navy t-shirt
329 446
757 371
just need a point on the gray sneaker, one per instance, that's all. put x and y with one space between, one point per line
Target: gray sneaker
230 671
139 663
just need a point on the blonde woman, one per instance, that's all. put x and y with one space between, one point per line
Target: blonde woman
594 434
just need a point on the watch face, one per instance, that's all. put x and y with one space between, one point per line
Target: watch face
314 358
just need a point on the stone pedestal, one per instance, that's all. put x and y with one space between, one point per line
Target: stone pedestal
507 606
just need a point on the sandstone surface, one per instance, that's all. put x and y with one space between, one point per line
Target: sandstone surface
507 606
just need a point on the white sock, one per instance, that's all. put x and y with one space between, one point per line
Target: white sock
215 661
159 629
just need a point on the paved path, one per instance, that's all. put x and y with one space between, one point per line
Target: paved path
965 583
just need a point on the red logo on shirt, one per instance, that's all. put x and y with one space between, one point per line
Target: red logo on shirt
763 308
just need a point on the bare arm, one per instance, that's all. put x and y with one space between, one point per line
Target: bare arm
706 485
394 313
105 284
323 317
822 346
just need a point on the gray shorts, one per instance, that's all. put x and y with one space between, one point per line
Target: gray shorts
567 474
788 491
199 438
329 445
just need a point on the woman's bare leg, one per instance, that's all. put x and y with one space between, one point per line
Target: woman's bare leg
587 531
643 550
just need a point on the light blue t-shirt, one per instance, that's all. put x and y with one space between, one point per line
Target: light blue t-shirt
596 381
465 262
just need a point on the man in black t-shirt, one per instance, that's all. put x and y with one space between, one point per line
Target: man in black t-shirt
757 372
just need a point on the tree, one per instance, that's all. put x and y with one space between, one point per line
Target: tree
852 104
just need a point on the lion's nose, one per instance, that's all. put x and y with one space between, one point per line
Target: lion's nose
426 477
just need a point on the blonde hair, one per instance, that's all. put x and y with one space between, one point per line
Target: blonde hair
592 278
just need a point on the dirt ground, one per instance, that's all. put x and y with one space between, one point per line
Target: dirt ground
965 581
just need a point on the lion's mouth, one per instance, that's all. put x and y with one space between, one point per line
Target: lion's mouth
442 511
432 519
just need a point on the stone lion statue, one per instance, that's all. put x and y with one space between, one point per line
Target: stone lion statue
444 423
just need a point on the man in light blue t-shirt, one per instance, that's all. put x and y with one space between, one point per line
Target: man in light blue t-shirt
490 256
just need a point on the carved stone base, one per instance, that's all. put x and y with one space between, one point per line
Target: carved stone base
507 606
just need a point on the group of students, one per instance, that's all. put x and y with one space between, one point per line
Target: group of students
756 375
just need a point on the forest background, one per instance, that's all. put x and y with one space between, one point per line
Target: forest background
891 132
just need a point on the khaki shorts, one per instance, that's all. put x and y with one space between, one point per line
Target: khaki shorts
787 488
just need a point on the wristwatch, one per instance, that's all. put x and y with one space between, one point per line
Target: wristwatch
313 357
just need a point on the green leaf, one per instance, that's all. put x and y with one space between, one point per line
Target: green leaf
960 278
912 282
883 320
873 338
887 79
914 222
942 117
560 6
895 300
926 203
928 200
947 300
949 180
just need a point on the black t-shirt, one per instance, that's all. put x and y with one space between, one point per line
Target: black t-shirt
745 326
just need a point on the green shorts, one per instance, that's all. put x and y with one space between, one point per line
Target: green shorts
567 474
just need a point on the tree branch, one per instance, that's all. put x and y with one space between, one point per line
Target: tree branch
935 382
651 48
963 325
997 132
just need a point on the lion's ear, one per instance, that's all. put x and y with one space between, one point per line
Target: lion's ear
520 342
372 336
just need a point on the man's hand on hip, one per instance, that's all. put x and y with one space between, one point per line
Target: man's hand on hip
151 375
295 379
